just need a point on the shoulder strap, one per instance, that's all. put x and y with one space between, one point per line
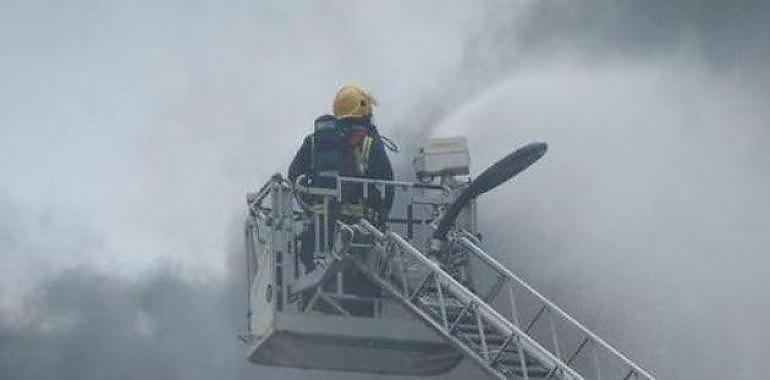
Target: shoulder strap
325 122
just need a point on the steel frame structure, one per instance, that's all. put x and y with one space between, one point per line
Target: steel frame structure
495 332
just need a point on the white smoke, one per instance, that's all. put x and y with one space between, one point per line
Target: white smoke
647 216
130 131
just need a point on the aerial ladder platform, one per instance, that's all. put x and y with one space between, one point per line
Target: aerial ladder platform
411 296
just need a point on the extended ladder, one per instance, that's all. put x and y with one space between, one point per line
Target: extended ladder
545 344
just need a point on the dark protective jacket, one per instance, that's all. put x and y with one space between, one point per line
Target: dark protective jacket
376 165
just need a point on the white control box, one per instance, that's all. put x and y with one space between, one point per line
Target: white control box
443 156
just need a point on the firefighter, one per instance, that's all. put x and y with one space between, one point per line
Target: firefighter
346 143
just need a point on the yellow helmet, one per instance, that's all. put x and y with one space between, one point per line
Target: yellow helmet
353 101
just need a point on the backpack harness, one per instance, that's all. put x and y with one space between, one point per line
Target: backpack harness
339 148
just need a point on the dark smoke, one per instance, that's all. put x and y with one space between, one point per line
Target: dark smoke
647 218
87 325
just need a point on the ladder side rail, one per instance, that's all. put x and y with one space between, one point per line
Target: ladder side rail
397 292
494 264
488 313
393 284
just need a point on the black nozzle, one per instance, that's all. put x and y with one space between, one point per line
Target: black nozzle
494 176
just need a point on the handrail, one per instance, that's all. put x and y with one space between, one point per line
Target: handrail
370 181
502 270
253 199
416 185
465 295
513 330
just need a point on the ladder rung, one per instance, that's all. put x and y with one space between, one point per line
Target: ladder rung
464 315
512 359
537 372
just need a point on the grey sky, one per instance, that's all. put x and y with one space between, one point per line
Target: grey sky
130 131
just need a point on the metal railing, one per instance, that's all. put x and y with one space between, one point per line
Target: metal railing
445 305
522 336
599 357
277 213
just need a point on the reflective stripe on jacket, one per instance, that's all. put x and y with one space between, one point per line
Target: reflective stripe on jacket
353 209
